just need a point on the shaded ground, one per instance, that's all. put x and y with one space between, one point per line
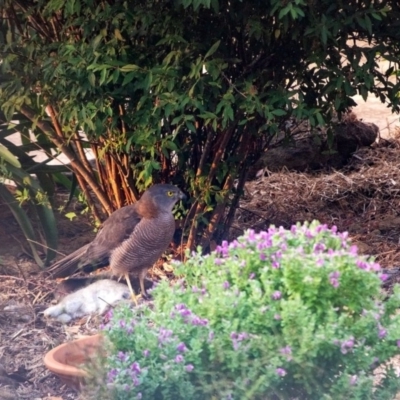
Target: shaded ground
363 199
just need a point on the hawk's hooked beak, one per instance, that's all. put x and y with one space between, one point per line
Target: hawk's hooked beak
182 196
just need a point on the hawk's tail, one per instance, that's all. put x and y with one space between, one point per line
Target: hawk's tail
67 265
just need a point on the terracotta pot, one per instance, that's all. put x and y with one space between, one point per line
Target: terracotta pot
65 360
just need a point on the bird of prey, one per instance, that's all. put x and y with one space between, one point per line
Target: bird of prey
132 239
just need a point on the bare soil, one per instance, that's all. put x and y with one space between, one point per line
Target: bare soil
363 199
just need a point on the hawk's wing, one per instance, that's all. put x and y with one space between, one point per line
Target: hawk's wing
118 227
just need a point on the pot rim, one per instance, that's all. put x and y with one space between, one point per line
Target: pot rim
64 369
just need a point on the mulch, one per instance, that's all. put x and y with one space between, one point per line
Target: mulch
363 199
26 336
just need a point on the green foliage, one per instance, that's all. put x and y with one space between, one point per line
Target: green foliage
276 315
192 91
34 186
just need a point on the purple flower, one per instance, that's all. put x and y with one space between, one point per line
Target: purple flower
109 314
135 367
263 257
251 236
199 321
347 345
321 228
226 285
280 372
383 277
319 247
362 264
252 275
164 335
334 229
135 381
237 338
223 250
277 317
276 295
276 265
218 261
398 343
309 234
375 267
286 350
211 336
334 279
382 332
234 244
179 358
112 374
146 353
122 323
189 368
139 395
181 348
353 380
122 356
353 251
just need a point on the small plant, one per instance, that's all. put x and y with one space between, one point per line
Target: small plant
281 314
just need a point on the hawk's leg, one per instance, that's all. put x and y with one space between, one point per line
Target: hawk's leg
142 275
128 281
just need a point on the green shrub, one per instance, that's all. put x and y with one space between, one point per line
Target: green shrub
281 314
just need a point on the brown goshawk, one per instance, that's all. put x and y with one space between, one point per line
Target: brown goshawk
131 240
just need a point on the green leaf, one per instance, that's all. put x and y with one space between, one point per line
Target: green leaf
7 156
278 113
128 78
117 34
71 215
213 49
92 79
129 67
23 221
42 208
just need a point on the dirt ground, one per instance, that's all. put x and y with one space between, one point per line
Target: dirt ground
363 199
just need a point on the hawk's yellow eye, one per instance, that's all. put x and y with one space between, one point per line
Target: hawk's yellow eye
170 193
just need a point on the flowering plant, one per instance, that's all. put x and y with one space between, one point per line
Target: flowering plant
280 314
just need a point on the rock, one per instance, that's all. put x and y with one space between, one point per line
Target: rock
312 151
351 135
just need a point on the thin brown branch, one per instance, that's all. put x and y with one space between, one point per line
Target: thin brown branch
114 182
204 155
82 154
98 165
16 20
198 207
219 153
217 213
88 197
70 154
